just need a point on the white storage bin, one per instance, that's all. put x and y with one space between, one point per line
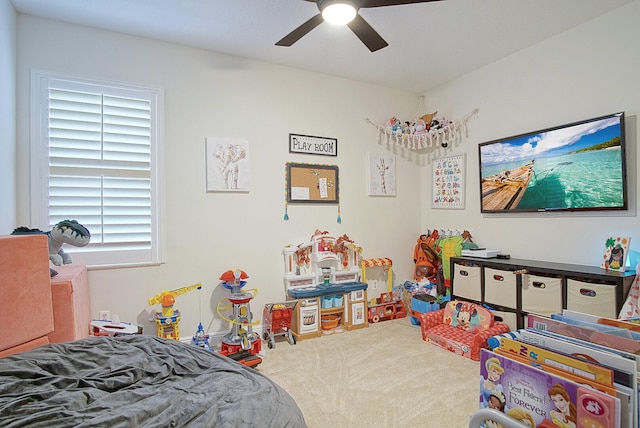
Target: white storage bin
467 282
541 295
500 287
592 298
508 318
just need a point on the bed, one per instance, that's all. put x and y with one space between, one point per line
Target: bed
137 380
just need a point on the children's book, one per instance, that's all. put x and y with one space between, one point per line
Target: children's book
600 320
581 368
624 354
624 370
609 390
616 251
583 333
546 399
623 364
623 393
606 328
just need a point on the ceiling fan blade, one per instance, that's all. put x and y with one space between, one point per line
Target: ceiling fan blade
301 31
380 3
367 34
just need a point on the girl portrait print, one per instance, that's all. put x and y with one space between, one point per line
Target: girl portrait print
490 384
565 414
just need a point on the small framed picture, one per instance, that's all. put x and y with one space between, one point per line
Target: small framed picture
227 164
358 314
381 170
357 295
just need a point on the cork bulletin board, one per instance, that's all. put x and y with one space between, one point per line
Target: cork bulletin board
312 183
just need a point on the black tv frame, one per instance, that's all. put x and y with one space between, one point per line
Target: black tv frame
497 194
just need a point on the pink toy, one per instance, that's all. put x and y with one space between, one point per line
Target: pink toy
461 327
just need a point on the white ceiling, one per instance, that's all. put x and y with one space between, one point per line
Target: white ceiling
429 43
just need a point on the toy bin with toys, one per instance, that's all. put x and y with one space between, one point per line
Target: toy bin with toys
386 308
422 303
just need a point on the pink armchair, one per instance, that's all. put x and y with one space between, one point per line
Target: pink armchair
460 327
27 316
39 309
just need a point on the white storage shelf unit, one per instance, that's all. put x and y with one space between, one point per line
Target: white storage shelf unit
517 287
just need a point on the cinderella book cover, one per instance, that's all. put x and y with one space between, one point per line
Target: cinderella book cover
540 399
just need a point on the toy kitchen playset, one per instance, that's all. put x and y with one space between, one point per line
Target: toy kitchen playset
324 276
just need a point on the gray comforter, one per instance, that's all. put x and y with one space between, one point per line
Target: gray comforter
137 381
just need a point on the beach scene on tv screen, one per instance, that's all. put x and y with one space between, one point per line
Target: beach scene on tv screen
569 168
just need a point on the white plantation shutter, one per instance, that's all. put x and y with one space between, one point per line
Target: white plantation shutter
98 165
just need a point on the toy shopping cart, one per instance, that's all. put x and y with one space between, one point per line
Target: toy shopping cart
276 321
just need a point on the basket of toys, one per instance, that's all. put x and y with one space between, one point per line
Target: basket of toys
329 322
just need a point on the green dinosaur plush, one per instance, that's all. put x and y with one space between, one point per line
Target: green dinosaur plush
66 232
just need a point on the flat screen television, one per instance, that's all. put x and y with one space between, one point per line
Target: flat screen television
574 167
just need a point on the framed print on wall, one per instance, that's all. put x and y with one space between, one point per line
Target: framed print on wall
227 164
448 182
381 171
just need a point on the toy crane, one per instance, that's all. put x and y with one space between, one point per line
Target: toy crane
167 320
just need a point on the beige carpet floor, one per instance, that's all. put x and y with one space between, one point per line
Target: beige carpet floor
380 376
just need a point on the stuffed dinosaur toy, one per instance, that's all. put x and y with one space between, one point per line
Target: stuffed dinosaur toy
66 232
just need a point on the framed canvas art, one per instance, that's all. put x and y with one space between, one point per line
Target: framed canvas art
381 170
227 164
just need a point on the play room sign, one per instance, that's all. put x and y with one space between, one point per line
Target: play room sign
311 145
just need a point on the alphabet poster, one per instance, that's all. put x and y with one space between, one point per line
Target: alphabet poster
448 182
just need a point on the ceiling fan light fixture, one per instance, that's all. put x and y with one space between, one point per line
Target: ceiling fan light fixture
337 12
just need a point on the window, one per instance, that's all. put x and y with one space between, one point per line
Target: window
96 158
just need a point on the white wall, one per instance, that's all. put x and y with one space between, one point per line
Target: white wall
589 71
214 95
8 20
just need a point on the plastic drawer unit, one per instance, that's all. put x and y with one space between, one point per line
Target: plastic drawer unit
541 295
467 282
500 287
592 298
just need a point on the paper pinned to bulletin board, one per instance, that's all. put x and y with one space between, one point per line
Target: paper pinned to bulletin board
448 182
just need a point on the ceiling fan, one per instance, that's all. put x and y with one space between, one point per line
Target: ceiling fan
347 13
